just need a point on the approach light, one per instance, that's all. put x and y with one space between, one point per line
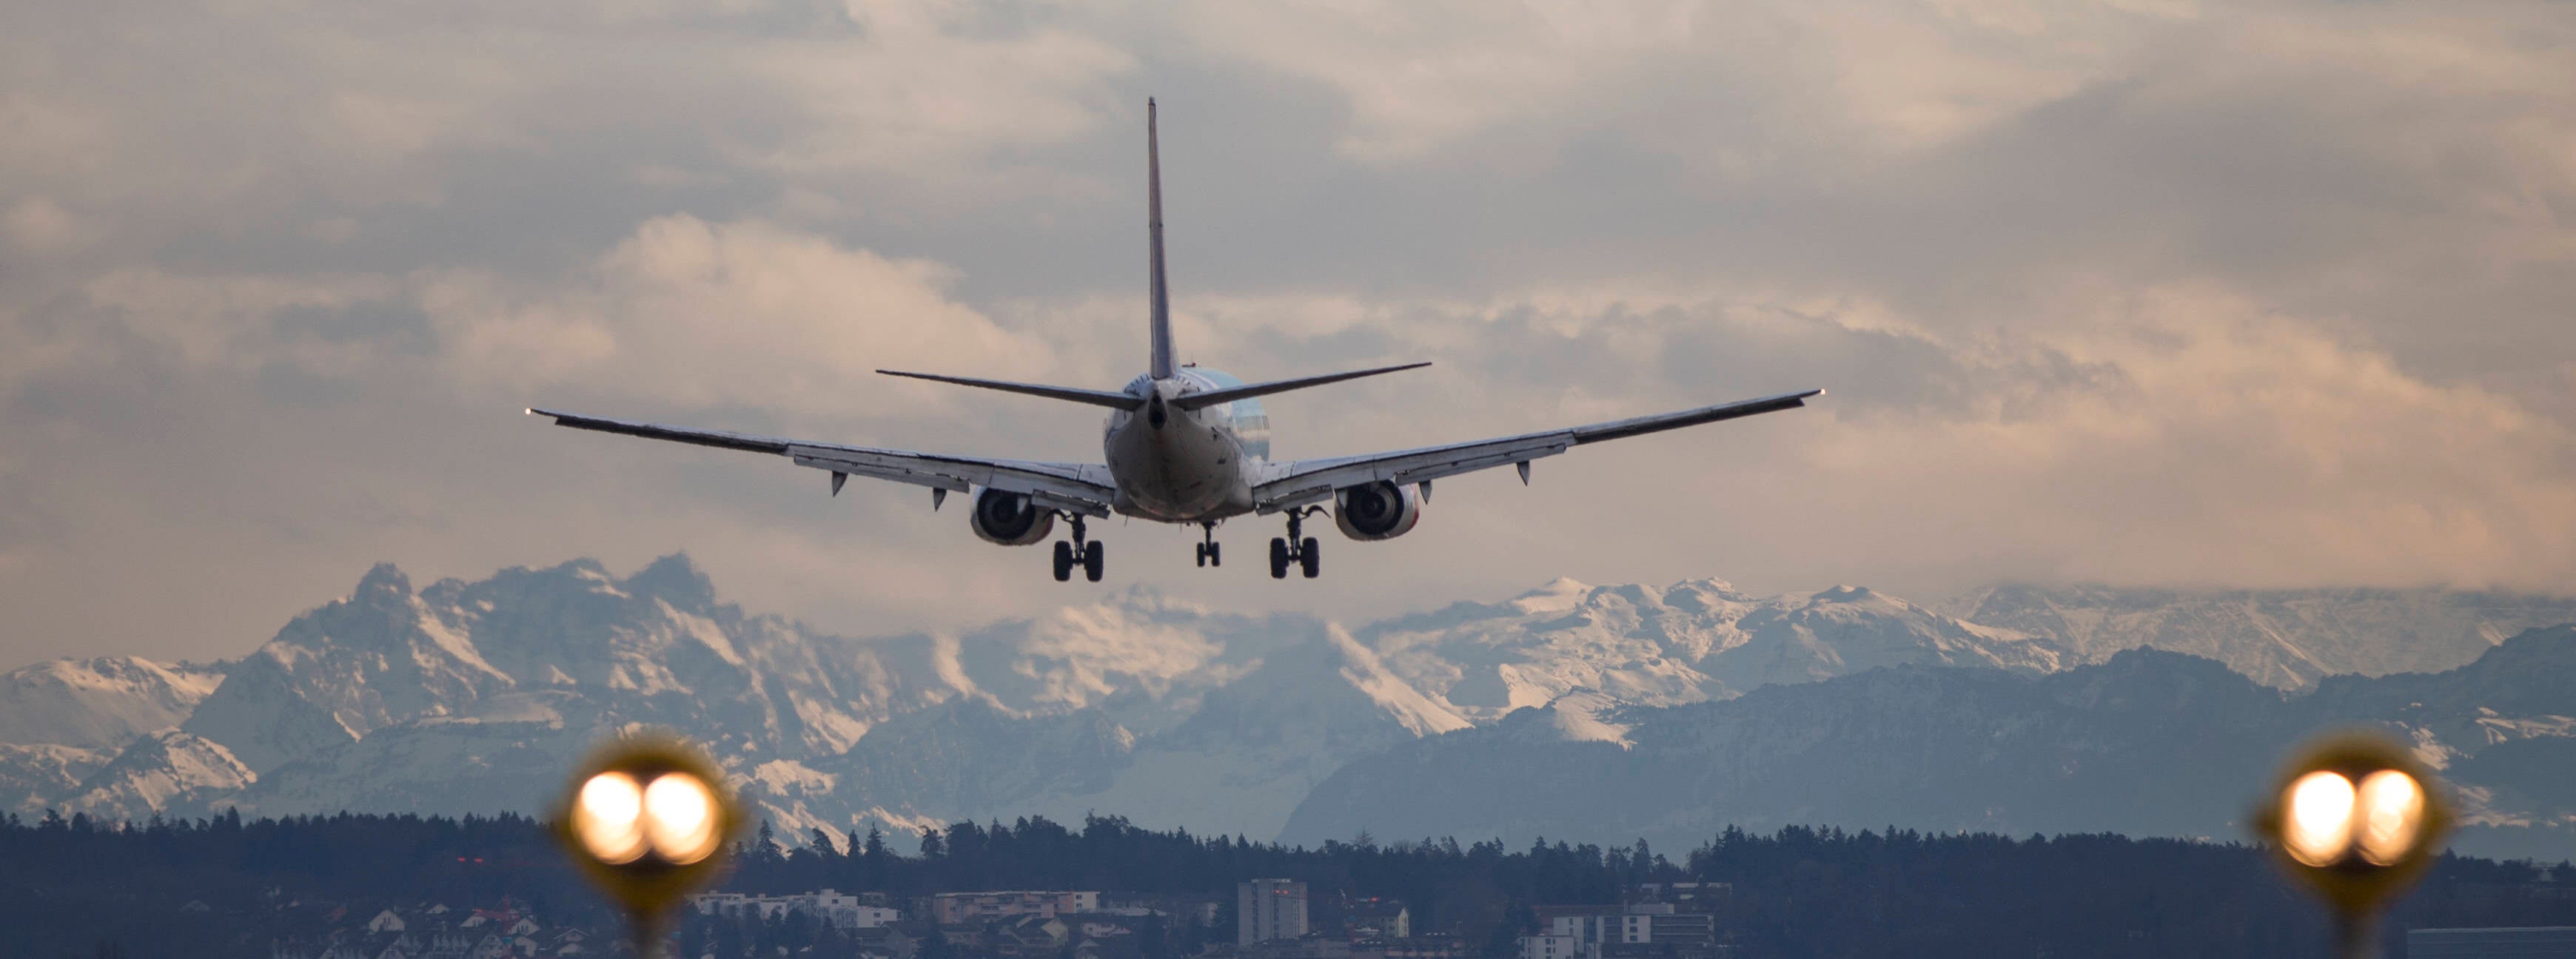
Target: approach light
646 819
608 818
2357 818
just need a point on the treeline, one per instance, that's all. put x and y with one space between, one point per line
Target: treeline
225 886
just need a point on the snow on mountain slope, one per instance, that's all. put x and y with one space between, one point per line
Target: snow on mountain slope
1240 763
2281 638
1693 641
34 775
1851 629
164 771
100 703
452 698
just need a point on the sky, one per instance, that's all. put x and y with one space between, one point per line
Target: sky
2142 292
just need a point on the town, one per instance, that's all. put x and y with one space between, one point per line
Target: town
1272 919
353 886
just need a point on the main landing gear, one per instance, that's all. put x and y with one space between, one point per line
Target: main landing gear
1296 548
1207 546
1081 552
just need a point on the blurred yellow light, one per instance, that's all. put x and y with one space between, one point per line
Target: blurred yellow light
2320 824
608 818
681 818
2392 815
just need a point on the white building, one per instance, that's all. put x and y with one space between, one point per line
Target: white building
1581 932
835 908
1267 909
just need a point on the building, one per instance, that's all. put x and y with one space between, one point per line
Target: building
2530 942
1030 936
1267 909
1377 918
968 908
832 907
1630 930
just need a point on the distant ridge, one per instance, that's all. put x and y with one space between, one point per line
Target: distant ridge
462 696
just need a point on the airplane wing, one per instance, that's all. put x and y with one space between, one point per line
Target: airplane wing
1312 481
1083 488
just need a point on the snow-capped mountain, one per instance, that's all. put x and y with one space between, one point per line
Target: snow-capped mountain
167 770
1693 641
476 696
100 703
2282 638
2147 743
1240 761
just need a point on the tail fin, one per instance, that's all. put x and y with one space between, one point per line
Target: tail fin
1161 329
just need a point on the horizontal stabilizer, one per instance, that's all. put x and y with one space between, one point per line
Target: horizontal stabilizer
1122 401
1192 401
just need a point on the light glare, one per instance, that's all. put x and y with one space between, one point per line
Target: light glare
608 818
2392 815
681 822
2320 822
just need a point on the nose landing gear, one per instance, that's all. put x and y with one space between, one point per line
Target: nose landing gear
1081 552
1208 555
1296 548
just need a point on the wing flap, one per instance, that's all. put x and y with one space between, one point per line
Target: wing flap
1315 481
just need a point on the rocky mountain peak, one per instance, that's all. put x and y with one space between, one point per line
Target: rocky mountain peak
675 580
384 584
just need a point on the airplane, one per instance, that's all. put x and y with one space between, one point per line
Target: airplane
1183 444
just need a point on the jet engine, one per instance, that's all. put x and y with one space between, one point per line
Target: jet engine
1379 510
1010 519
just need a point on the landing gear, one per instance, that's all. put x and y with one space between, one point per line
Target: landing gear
1080 552
1207 546
1296 548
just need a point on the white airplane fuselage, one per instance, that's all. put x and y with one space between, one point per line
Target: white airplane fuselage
1186 466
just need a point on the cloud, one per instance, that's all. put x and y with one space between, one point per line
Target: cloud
2258 294
694 314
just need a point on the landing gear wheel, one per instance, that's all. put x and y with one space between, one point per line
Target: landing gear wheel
1278 558
1309 559
1091 562
1203 555
1214 559
1063 561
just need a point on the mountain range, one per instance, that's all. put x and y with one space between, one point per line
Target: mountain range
1499 718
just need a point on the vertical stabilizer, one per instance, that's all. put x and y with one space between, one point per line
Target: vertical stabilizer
1161 367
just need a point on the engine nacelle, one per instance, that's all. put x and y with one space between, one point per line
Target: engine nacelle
1009 519
1379 510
